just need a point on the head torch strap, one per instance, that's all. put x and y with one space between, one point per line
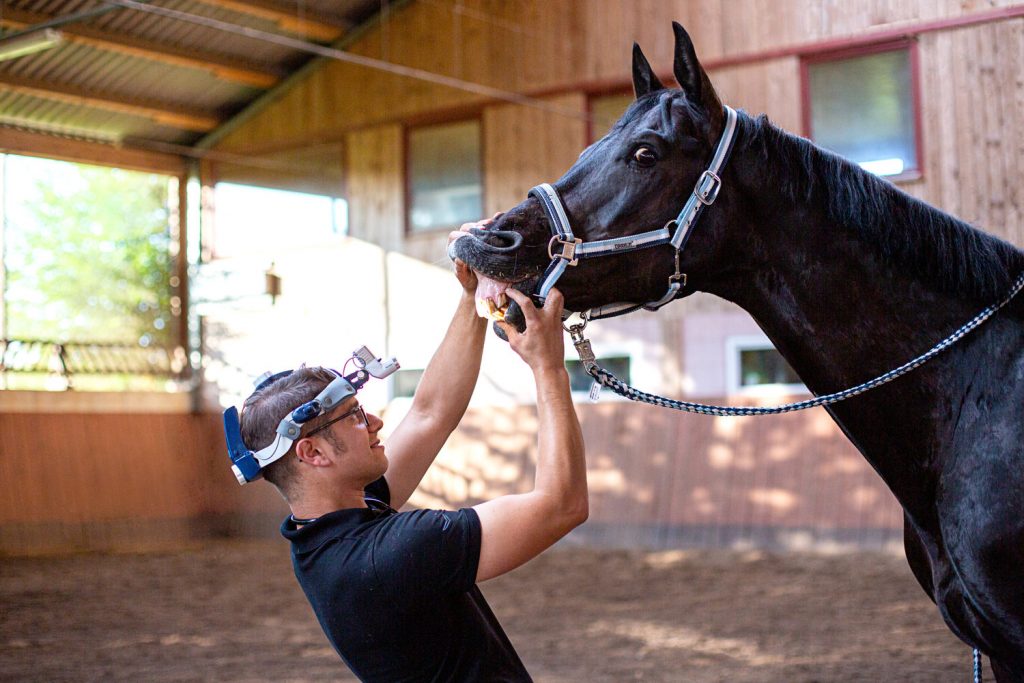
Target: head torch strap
246 464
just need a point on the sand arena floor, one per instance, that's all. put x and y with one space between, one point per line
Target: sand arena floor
231 611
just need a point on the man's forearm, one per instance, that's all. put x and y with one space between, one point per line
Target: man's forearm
449 378
561 465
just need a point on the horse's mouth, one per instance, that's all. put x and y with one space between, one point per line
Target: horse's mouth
494 258
491 298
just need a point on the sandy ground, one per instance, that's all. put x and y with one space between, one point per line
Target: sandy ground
231 611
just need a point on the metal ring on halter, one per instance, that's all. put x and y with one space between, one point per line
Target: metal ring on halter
568 249
577 329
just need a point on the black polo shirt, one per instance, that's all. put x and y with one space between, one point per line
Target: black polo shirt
396 594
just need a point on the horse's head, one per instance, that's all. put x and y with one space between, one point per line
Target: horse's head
633 180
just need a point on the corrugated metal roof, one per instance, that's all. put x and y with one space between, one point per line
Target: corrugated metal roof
136 77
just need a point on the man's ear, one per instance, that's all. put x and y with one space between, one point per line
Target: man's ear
309 451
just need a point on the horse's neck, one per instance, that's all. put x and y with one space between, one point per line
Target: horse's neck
841 314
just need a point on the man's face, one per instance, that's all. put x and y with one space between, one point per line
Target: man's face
353 441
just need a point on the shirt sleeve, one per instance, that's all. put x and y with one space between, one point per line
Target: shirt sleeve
425 553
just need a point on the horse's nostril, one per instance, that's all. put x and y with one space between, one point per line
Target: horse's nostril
498 241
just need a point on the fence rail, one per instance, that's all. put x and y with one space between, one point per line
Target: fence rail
66 359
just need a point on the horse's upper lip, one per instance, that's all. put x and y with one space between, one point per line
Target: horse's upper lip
498 264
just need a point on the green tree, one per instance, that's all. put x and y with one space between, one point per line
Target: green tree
89 257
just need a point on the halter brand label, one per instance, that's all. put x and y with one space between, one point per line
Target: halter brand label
622 245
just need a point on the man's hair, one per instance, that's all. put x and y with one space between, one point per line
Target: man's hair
263 411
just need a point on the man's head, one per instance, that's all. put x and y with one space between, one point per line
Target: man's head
341 438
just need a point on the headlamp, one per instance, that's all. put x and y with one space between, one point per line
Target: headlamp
247 464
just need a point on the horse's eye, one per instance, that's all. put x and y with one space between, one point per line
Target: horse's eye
645 156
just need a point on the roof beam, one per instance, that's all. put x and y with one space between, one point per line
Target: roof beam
15 141
220 66
160 113
312 25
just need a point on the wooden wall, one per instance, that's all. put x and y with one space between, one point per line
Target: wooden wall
83 480
130 480
662 479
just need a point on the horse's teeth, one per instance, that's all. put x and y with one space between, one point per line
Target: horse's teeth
485 308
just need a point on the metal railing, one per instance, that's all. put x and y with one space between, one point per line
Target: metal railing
67 359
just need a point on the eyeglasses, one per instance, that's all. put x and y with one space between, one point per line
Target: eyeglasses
358 410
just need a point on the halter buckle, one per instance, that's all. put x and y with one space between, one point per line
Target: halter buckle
706 190
568 249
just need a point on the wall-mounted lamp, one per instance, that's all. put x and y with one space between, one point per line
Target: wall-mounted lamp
27 42
273 283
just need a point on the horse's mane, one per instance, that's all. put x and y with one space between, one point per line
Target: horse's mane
944 251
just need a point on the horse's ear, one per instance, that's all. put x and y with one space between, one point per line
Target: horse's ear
691 75
644 80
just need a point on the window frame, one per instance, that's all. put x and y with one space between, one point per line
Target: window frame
910 45
734 345
407 131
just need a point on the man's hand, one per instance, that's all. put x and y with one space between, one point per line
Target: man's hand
465 274
542 344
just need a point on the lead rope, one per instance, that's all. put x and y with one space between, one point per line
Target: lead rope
604 378
977 665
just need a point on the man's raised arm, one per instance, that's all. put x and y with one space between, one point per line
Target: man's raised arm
442 395
516 528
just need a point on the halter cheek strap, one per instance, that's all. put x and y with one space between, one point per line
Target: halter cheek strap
566 250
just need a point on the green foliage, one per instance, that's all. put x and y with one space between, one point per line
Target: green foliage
89 257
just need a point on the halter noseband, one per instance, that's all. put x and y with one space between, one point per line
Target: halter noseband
565 249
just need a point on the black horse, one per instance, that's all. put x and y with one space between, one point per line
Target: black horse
849 277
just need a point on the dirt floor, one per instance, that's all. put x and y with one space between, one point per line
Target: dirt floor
231 611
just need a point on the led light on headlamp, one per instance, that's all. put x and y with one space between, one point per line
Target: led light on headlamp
247 464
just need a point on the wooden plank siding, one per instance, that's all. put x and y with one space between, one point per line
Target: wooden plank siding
660 478
106 481
103 481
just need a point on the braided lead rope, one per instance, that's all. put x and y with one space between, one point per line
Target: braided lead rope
977 666
605 378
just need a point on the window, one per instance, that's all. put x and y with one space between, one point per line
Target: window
605 110
258 220
580 381
404 383
444 175
863 107
90 296
752 363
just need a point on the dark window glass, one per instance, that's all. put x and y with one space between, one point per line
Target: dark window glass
765 366
445 177
605 111
579 380
862 108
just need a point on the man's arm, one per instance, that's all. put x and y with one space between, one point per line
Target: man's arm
441 397
517 528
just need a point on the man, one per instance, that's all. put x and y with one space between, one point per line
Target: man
395 592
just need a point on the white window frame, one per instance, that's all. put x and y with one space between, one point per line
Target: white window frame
736 344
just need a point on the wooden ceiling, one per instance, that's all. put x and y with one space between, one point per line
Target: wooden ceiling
155 76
